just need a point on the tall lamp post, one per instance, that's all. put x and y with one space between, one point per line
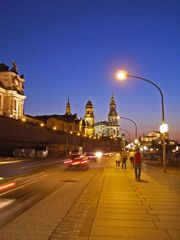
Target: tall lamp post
122 75
129 138
135 125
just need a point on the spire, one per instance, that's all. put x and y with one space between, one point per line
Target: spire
112 107
112 99
68 107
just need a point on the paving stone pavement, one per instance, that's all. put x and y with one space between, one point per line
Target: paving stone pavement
115 206
78 221
171 178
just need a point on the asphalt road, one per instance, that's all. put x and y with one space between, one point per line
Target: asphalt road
24 183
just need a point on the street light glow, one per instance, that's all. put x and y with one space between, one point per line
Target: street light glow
163 128
121 75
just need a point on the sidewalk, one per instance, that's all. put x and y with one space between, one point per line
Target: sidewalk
113 206
117 207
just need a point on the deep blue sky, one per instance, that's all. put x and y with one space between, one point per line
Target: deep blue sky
74 47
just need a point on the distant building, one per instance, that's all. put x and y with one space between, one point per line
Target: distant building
68 122
11 92
110 128
152 136
89 119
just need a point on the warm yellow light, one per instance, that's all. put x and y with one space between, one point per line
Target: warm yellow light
42 124
136 141
71 132
145 148
78 134
121 75
54 128
98 154
164 128
23 119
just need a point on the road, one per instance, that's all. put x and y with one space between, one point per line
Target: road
26 182
45 194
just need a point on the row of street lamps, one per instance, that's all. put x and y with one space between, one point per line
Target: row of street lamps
122 75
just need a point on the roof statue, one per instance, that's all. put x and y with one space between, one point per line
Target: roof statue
15 67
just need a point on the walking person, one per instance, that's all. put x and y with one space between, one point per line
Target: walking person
124 159
131 158
137 164
118 160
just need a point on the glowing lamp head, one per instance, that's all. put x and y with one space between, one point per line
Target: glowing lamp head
163 128
121 75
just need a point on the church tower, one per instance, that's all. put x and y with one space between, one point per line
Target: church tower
113 119
68 108
89 119
112 116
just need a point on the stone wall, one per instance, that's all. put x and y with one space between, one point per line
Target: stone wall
18 134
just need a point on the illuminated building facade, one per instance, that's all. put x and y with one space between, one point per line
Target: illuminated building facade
68 122
11 92
110 128
89 119
113 125
152 136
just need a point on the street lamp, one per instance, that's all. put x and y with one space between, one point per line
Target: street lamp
129 138
122 75
135 125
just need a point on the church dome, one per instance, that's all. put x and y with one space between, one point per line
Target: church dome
89 104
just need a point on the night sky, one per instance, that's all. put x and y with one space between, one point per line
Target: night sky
74 48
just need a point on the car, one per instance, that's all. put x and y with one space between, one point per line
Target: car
94 156
91 156
77 161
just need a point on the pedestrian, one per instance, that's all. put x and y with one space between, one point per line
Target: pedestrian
118 160
131 158
137 164
132 161
124 159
